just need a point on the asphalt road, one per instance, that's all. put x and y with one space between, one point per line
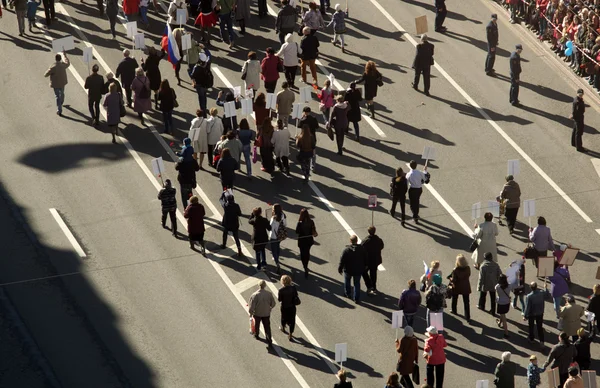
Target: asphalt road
141 309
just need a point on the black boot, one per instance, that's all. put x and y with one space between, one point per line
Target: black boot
372 109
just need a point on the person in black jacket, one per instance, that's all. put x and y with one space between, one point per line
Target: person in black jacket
398 190
126 70
286 20
94 83
310 50
186 178
168 204
230 221
577 117
306 232
227 166
313 125
492 40
352 264
110 79
594 307
353 97
289 299
373 245
584 356
260 237
515 75
167 97
440 15
202 80
422 63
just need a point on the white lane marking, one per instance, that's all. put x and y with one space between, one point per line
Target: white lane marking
251 281
598 231
67 232
596 164
494 125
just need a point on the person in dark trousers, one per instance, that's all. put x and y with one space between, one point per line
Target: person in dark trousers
584 356
353 97
112 10
259 306
505 372
313 125
415 179
49 11
186 178
561 356
515 75
534 312
459 278
373 79
440 15
289 299
489 273
306 232
409 302
230 221
260 237
422 64
126 70
511 193
492 40
168 204
577 117
202 80
286 20
398 190
166 99
373 245
110 79
194 213
94 83
594 307
226 166
352 264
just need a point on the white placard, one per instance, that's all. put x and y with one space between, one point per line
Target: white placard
590 316
476 211
437 320
88 55
514 167
553 377
482 384
397 319
494 208
237 91
341 352
230 109
372 201
138 41
305 94
63 44
529 208
271 101
331 78
429 153
181 16
158 166
249 93
186 41
131 29
246 106
589 378
296 111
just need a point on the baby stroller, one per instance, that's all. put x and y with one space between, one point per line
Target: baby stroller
502 207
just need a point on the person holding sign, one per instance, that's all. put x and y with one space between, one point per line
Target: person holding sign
561 356
511 192
168 204
559 282
343 383
408 356
434 354
58 79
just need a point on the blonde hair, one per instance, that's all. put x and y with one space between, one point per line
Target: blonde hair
596 289
340 98
341 375
112 87
286 280
435 265
461 261
139 71
213 111
328 83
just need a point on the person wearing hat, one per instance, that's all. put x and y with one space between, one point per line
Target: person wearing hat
435 297
492 40
433 353
489 274
515 75
168 204
571 314
533 372
422 63
577 117
511 193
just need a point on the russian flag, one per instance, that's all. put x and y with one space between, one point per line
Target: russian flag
172 48
426 269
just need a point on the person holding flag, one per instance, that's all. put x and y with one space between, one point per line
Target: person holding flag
427 278
171 47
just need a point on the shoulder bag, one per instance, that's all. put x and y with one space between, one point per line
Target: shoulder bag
281 231
474 245
416 378
175 103
297 300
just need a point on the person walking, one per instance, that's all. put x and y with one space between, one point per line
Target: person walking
398 190
49 11
112 11
242 14
142 98
168 204
281 146
225 9
131 9
326 100
511 193
313 19
113 101
434 268
286 23
259 307
440 15
306 232
21 13
289 52
200 145
435 297
251 73
577 116
261 112
415 179
94 84
285 102
434 354
152 68
373 244
517 282
167 99
246 137
338 20
260 239
515 75
32 6
459 279
373 80
231 220
492 41
534 313
338 121
269 70
582 345
265 135
502 303
422 64
226 167
574 380
559 282
505 372
278 233
194 214
571 314
353 98
206 19
352 265
58 79
408 350
541 237
186 178
234 146
127 71
309 50
489 273
110 79
305 142
202 80
534 372
288 299
594 307
313 126
561 356
409 302
393 381
485 233
214 128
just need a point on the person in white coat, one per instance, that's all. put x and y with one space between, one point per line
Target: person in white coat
214 131
281 142
251 73
485 233
289 51
172 11
201 143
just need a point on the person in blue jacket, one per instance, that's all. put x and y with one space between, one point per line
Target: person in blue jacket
32 6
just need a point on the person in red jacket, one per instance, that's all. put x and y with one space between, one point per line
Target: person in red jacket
130 7
433 353
269 70
194 214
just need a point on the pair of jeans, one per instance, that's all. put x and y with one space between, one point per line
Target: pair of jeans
290 74
438 378
577 134
247 158
370 278
172 217
143 14
225 21
236 237
426 71
514 90
201 97
276 250
340 134
402 201
427 318
466 305
313 69
521 298
168 121
94 107
557 304
490 59
543 25
60 98
261 257
262 8
538 321
482 295
414 197
267 323
356 129
348 289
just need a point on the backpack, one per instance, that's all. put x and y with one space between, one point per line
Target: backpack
281 231
434 301
145 91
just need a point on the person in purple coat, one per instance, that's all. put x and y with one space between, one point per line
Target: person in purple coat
560 285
